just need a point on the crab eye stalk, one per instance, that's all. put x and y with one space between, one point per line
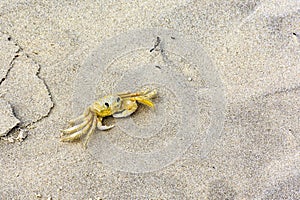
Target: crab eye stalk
106 104
118 99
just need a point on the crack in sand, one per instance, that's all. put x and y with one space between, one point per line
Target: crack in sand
10 66
8 119
47 88
24 93
283 90
8 45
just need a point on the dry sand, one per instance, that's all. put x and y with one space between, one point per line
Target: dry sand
239 142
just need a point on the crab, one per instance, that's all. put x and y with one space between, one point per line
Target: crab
118 105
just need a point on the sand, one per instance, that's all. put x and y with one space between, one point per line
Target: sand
226 123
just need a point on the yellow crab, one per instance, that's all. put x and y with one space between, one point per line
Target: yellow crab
119 105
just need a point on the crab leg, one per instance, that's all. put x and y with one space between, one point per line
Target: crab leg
78 127
124 93
78 134
144 101
91 131
85 114
151 94
103 127
128 94
146 94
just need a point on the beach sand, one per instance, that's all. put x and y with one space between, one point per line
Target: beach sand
244 140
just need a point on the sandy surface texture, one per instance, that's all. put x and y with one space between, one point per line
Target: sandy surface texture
226 121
